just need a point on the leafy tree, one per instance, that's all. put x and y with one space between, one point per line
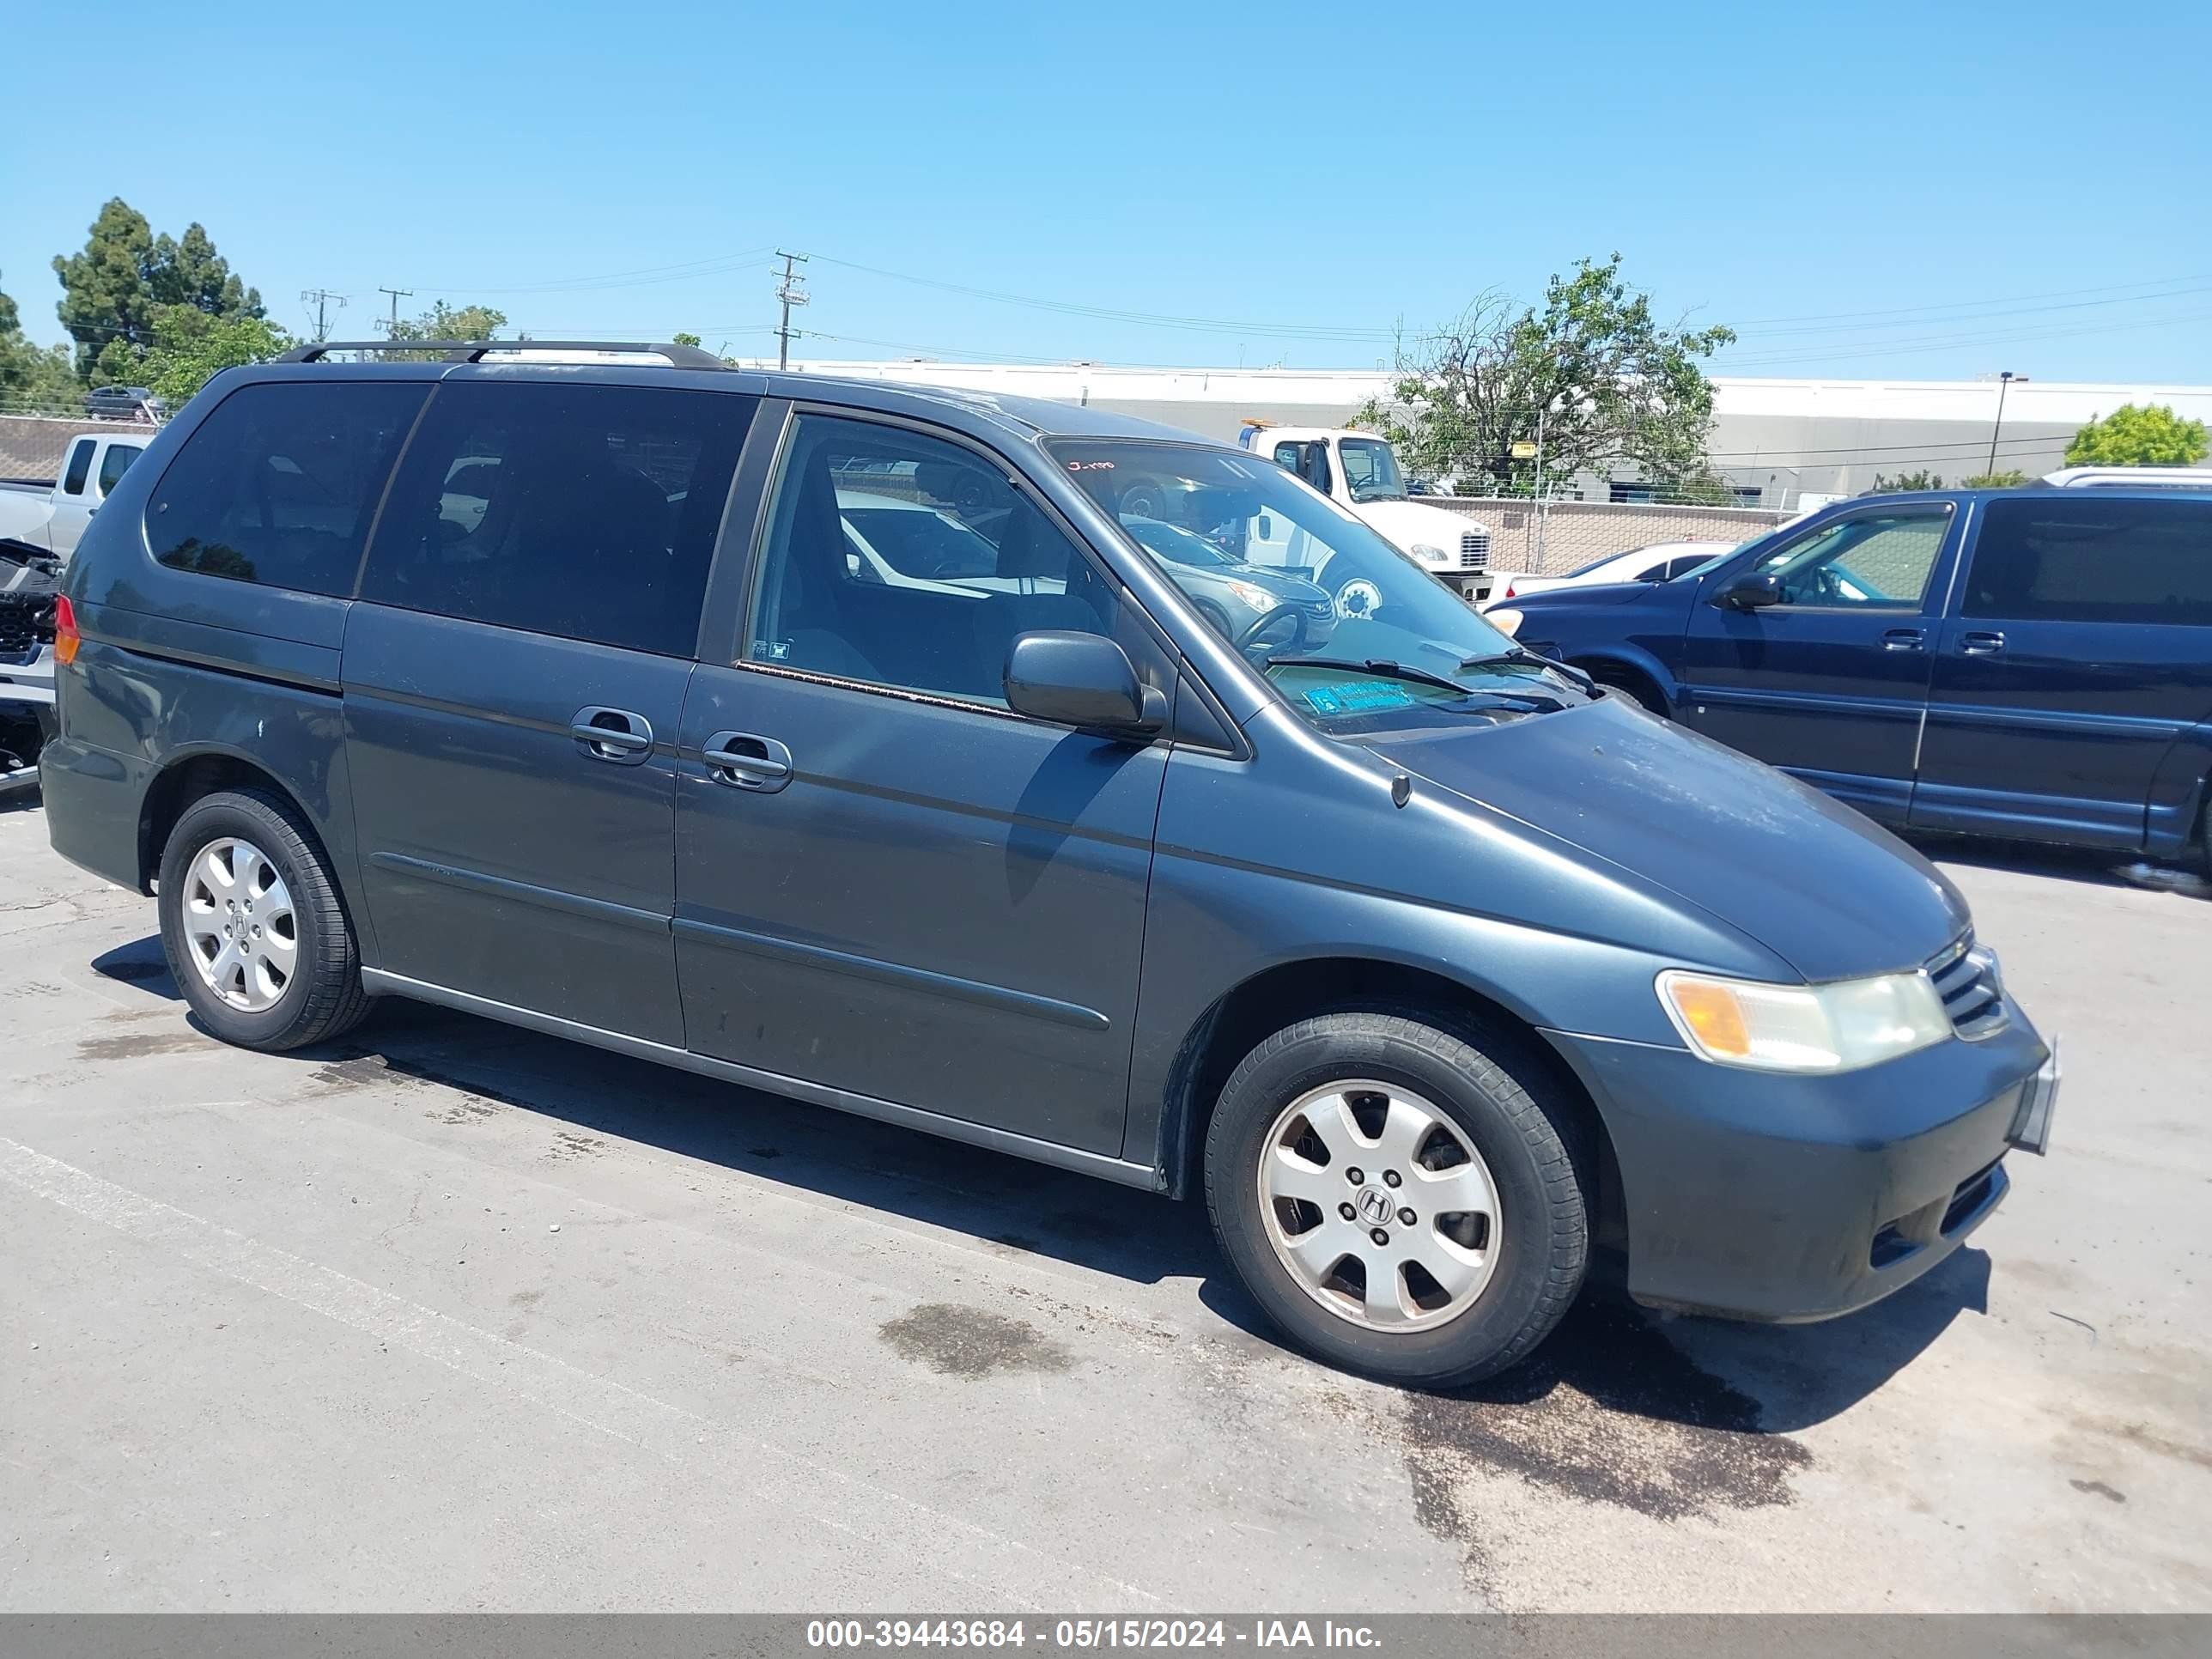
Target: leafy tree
2149 434
1612 385
685 339
444 322
31 377
2011 478
114 289
1922 479
192 346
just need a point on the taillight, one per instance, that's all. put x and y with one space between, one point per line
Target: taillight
66 638
1509 589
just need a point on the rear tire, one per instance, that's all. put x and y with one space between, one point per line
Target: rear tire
257 936
1441 1129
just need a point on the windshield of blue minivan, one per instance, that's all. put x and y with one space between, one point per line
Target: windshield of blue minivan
1346 627
1370 471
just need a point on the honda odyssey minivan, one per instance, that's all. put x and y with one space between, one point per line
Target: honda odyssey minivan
552 691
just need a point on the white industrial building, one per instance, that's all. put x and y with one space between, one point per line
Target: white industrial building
1776 440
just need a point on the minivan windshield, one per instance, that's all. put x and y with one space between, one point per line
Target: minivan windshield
1352 633
1370 471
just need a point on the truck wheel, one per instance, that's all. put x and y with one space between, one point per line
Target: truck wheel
256 937
1400 1202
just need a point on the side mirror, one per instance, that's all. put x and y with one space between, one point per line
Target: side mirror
1750 591
1081 680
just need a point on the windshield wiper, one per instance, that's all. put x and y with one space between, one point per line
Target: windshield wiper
1522 654
1384 668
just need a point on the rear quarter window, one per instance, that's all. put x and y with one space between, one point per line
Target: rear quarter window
278 484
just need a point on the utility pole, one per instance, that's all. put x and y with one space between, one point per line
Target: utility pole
2005 383
792 291
391 328
322 299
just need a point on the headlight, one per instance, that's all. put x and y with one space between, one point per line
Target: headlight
1257 597
1428 555
1836 1027
1507 623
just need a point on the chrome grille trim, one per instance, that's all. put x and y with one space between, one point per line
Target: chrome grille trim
1973 990
1473 549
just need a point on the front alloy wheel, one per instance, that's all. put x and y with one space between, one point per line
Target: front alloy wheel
1379 1205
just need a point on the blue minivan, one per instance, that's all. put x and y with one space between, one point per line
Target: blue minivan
2033 663
859 743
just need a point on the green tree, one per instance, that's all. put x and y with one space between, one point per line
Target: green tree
1611 384
114 289
685 339
1922 479
2011 478
33 379
190 347
444 322
2149 434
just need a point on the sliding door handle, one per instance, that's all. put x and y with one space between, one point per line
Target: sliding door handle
744 761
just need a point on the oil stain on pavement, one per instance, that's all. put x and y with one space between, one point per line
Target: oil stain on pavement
1607 1411
956 1341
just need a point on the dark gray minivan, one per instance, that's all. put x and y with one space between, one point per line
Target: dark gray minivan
840 739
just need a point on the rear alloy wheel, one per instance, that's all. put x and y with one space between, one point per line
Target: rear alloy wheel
1399 1201
256 936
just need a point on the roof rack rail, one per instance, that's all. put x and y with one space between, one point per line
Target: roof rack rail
469 351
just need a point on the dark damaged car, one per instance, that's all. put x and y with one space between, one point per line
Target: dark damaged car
1434 966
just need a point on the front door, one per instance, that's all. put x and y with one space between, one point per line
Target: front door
1831 682
887 882
2079 653
514 676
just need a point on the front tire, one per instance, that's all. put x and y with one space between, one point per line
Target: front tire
256 937
1472 1152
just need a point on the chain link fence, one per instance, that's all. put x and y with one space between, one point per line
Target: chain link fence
1552 537
32 445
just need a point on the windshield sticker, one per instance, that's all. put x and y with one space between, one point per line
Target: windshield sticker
1356 697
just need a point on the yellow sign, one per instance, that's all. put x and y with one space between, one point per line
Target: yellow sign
1524 451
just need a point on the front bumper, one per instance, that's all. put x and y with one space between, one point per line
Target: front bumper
1757 1196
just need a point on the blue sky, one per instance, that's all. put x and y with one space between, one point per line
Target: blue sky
1861 190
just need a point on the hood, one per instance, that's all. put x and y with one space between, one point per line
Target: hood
1830 892
1407 522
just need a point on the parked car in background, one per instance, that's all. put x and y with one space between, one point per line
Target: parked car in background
1660 561
2031 663
51 517
2130 477
1453 967
1244 603
1360 471
125 403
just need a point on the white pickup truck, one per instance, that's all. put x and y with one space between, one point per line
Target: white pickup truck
39 527
1359 471
51 519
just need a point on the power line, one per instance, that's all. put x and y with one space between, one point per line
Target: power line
642 276
1953 304
391 329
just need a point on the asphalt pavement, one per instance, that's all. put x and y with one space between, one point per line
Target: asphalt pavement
454 1316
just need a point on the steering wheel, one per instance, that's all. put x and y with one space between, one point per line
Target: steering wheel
1249 640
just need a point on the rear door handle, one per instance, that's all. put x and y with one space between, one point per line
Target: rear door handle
744 761
1981 644
614 735
1903 639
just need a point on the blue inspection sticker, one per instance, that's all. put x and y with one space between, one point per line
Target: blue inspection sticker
1356 697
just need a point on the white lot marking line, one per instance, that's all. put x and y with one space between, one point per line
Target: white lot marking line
799 1487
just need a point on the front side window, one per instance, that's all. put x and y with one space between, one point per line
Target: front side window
1370 471
80 468
1355 636
900 560
278 485
2092 559
586 512
1873 561
115 464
